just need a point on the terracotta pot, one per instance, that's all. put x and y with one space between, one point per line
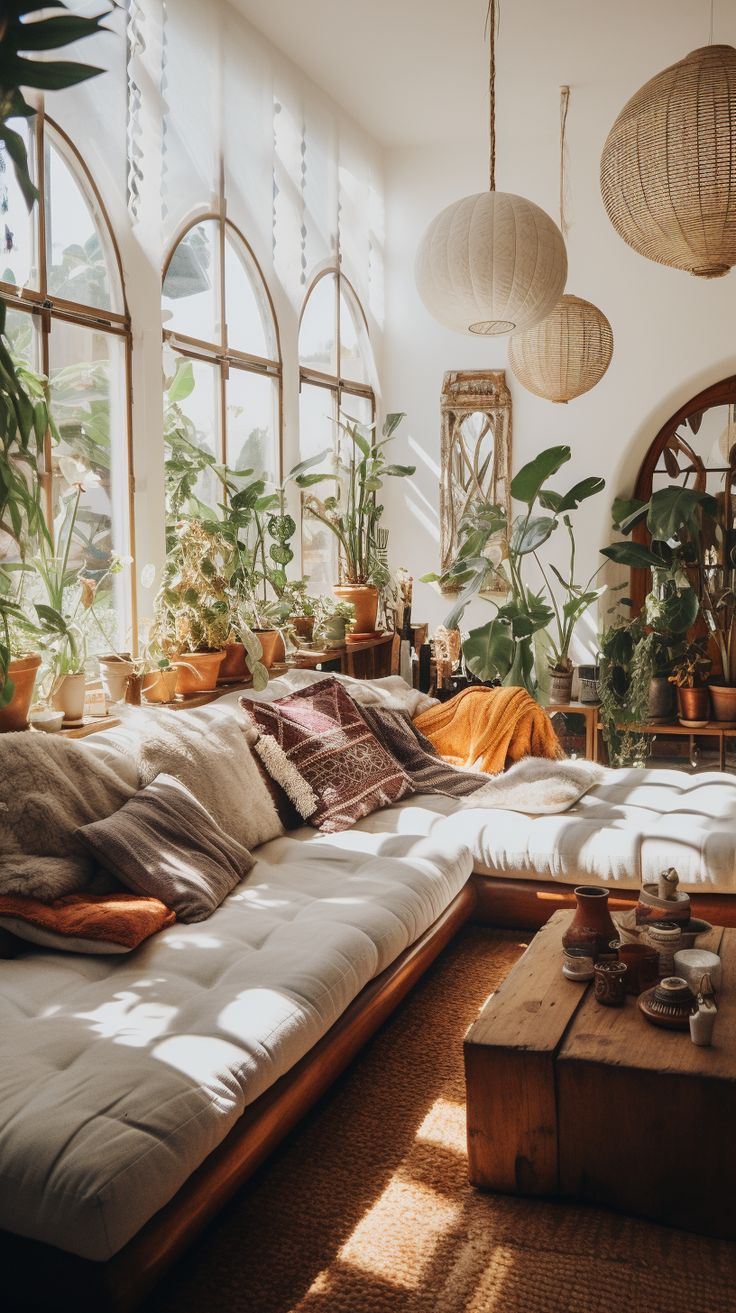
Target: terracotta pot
68 696
723 700
204 676
560 686
160 685
364 598
693 703
233 669
661 699
272 644
592 922
115 672
134 690
303 626
23 674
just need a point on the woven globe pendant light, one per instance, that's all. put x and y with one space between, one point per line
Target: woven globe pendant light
493 262
565 355
568 352
668 169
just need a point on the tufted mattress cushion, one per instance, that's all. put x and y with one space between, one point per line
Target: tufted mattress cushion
622 832
117 1078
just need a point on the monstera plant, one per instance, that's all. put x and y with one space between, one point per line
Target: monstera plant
508 646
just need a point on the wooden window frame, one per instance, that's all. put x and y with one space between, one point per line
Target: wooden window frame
221 353
44 306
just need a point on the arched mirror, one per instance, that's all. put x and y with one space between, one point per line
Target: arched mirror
696 448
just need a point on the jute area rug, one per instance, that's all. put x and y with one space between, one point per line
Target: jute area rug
367 1208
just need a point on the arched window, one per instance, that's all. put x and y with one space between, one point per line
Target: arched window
335 374
61 277
222 357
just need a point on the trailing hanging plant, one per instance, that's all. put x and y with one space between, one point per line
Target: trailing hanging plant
627 664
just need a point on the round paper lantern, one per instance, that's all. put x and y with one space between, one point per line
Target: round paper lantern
565 355
668 169
490 264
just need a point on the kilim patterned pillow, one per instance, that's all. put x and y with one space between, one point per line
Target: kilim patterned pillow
317 746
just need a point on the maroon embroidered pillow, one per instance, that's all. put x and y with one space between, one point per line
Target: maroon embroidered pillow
317 746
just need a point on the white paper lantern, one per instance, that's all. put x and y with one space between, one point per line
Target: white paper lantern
492 263
566 354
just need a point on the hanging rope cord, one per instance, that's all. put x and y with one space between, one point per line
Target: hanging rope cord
564 106
492 20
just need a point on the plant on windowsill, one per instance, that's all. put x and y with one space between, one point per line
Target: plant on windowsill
514 646
334 619
192 611
353 513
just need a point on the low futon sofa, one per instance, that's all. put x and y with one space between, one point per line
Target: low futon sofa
138 1092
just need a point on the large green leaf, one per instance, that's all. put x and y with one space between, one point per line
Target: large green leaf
632 554
525 485
310 463
521 673
628 511
489 650
528 535
557 502
678 613
182 384
673 509
455 614
391 423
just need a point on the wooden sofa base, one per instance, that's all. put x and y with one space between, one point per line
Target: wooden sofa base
522 904
38 1276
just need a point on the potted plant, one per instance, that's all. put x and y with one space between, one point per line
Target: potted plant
510 647
353 512
673 520
332 618
192 609
576 598
301 609
626 669
689 676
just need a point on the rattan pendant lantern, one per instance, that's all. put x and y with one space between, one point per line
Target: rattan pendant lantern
492 262
568 352
668 169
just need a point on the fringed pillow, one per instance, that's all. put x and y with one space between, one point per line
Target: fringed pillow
317 746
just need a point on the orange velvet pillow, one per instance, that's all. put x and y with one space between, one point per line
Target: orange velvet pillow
85 923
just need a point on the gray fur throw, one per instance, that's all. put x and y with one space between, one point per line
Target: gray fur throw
49 788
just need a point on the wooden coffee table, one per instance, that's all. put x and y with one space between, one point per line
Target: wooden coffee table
572 1099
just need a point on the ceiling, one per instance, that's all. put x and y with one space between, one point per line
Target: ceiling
373 57
414 72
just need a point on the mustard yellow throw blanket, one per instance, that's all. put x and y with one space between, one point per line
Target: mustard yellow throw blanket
490 729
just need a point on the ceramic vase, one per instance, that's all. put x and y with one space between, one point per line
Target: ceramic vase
664 937
68 696
560 686
23 673
592 922
661 699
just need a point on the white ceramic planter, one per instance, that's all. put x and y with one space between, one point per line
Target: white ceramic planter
114 675
68 696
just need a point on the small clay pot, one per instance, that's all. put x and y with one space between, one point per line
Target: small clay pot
651 907
669 1004
68 696
642 966
661 699
203 678
610 984
693 703
23 673
723 699
364 598
270 641
160 685
233 669
303 626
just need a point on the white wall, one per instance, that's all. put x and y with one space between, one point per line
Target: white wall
674 334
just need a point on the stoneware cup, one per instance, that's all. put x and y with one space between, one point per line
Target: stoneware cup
642 967
610 986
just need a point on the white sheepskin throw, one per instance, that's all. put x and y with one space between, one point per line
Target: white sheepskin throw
537 786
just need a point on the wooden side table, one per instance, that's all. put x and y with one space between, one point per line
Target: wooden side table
589 712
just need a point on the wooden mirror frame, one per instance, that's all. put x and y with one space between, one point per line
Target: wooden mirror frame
722 393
